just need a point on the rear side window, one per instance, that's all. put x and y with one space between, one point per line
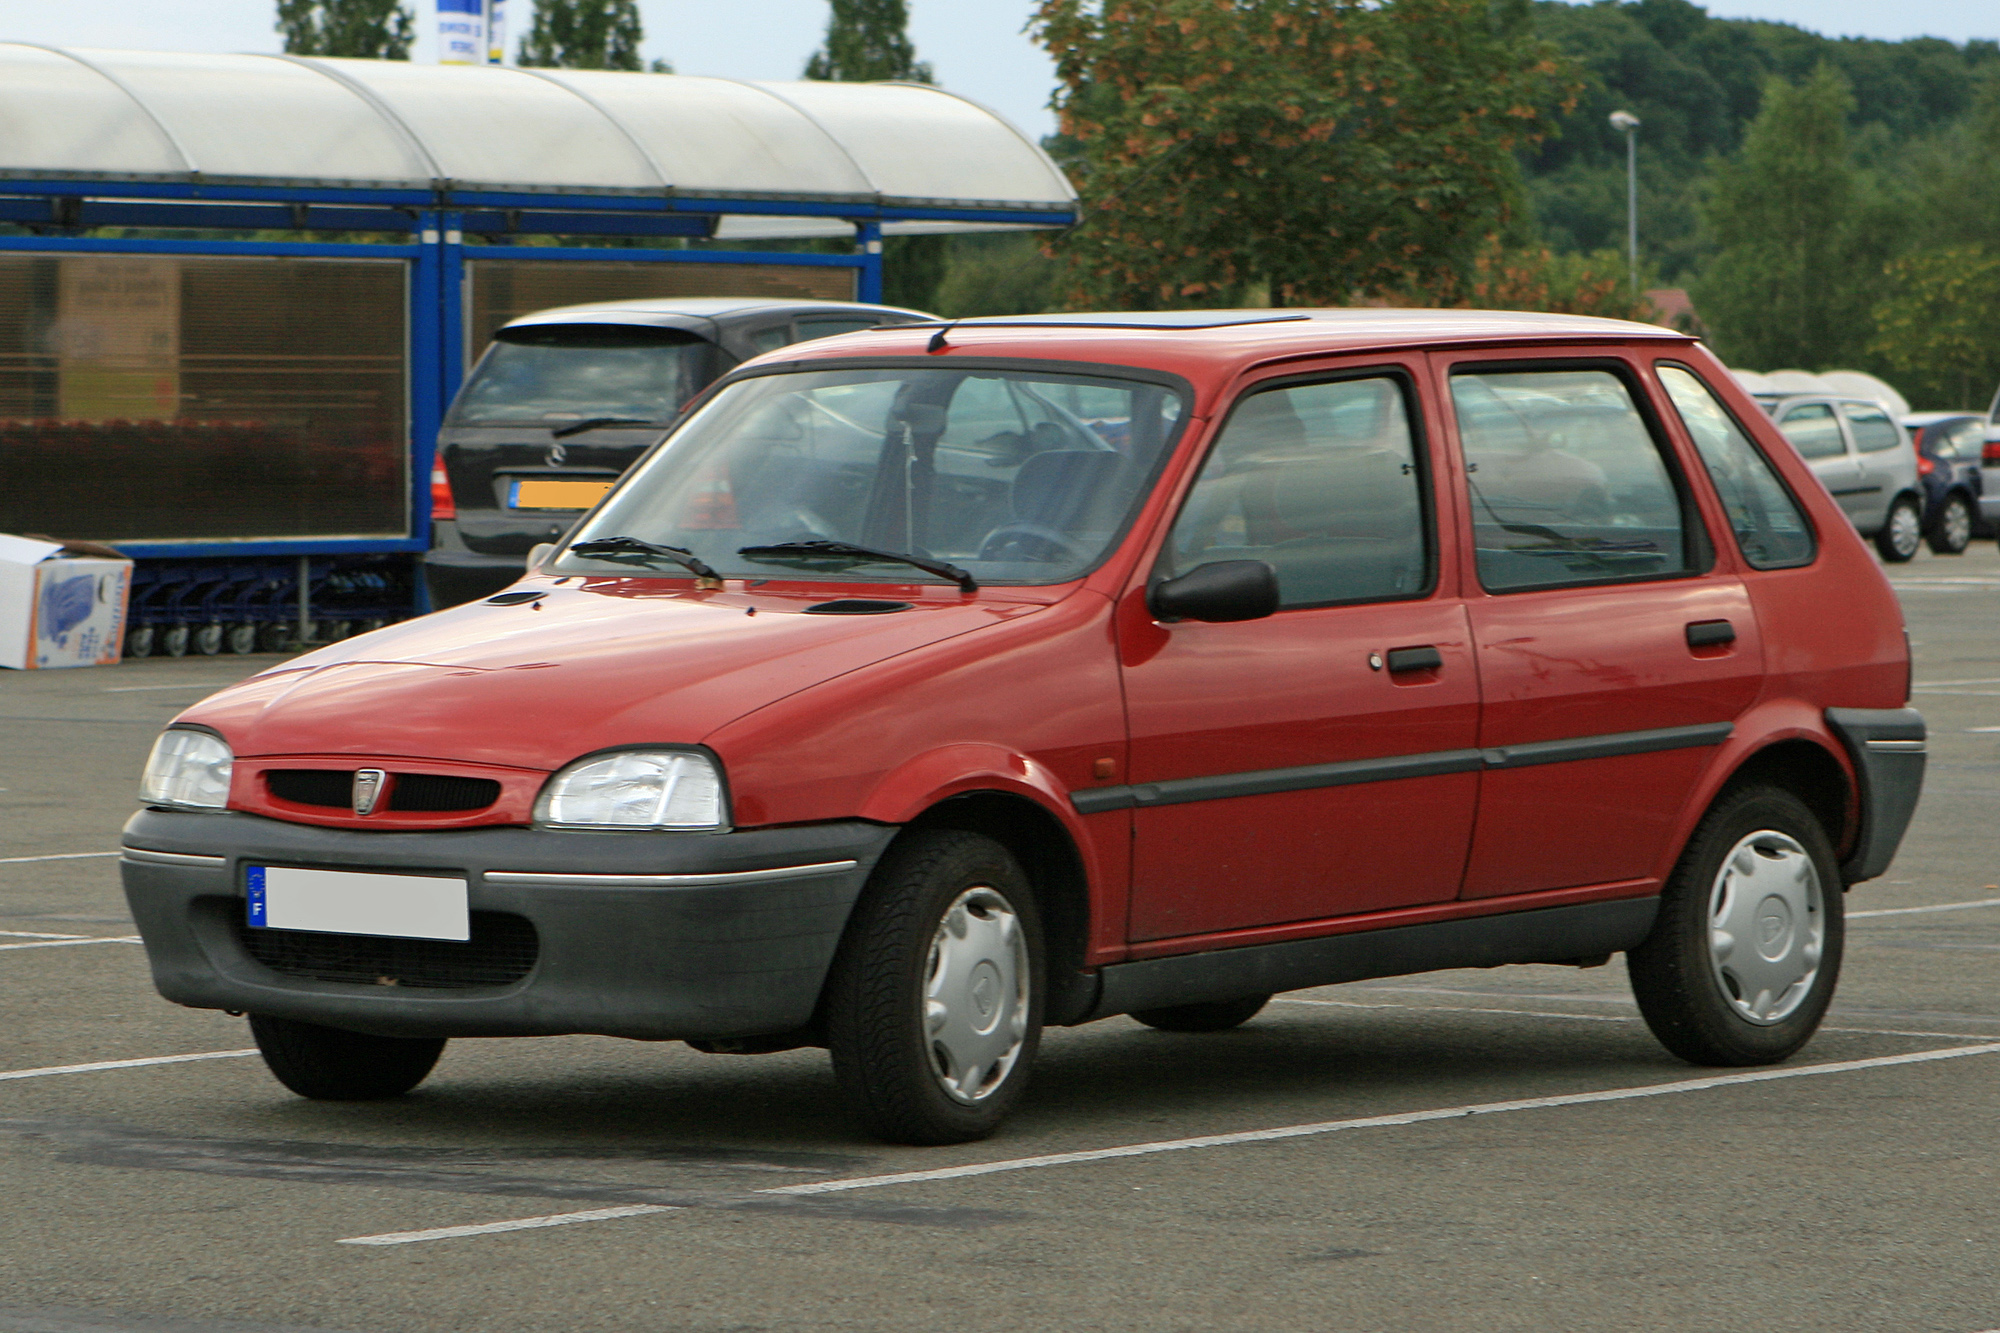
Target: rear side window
1813 431
1568 485
1770 530
1873 431
1322 481
1965 440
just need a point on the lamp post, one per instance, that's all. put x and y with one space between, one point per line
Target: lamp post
1628 123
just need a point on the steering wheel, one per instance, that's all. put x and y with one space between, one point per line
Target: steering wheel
1031 541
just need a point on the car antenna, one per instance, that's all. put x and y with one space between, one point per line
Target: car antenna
937 344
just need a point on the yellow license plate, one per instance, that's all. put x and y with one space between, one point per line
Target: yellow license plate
540 493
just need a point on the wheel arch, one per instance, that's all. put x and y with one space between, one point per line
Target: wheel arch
1810 772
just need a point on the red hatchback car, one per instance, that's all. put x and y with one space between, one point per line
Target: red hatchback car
929 685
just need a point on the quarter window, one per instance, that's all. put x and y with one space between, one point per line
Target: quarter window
1813 431
1567 484
1323 482
1770 530
1873 431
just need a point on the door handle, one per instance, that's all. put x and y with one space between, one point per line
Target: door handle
1425 658
1708 633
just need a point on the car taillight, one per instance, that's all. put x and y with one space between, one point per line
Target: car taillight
1990 455
1925 466
442 505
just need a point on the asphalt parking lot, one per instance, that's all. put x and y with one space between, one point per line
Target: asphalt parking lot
1491 1150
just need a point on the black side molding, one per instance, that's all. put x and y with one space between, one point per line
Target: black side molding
1887 747
1547 935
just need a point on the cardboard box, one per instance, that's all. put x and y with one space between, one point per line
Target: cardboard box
59 609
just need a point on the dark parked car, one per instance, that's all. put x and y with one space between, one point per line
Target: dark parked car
563 401
1948 448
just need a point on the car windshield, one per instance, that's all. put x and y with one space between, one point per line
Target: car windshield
1022 477
552 373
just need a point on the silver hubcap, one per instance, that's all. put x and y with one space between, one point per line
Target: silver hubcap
976 995
1957 525
1767 927
1905 528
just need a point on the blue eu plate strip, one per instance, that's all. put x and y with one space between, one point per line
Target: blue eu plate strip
254 875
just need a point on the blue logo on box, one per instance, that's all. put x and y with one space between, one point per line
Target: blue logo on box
254 876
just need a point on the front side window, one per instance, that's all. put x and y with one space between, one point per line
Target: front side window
1021 477
1323 482
1813 431
1567 483
1873 431
1770 529
551 373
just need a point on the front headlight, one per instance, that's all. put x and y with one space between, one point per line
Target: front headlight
188 769
636 789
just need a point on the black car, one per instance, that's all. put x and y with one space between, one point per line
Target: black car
564 400
1948 446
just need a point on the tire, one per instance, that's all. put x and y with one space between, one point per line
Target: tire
242 639
1901 532
274 637
139 642
208 640
934 1005
1952 532
1214 1016
1759 861
332 1065
175 641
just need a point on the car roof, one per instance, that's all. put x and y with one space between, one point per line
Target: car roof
1204 342
1932 418
691 311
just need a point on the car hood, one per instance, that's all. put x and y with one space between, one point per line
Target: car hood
606 663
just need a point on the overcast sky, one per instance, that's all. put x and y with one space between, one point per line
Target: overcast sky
977 47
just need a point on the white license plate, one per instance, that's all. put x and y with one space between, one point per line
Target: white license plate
351 902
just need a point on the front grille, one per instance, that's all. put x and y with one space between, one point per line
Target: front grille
502 950
334 788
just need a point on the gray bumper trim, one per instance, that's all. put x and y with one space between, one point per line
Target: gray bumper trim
148 856
664 881
1887 747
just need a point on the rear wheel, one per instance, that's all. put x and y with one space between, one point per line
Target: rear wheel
1743 957
1901 531
934 1006
332 1065
1952 532
1214 1016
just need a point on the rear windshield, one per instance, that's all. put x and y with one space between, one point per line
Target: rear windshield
550 373
1024 477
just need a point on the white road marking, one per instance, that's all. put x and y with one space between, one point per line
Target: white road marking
74 939
1977 680
1970 731
54 856
100 1065
39 935
187 685
1380 1121
1935 907
516 1224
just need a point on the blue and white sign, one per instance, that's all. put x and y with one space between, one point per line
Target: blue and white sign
258 910
461 32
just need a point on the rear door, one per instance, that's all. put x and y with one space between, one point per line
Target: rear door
1885 460
1611 655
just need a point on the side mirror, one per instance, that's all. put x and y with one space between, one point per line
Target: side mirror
1221 591
538 553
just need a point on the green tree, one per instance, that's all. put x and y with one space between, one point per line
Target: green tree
867 41
368 29
1312 150
1800 235
584 34
1936 328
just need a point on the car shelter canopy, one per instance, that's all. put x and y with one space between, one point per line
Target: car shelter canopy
752 158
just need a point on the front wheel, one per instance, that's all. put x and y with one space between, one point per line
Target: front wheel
1901 531
1742 959
1952 532
934 1006
333 1065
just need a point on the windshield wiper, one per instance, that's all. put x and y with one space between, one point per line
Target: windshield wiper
592 423
812 549
630 550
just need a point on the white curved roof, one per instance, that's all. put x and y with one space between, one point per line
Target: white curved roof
314 122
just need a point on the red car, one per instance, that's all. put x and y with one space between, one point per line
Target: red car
929 685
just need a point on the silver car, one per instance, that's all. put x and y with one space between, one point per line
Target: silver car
1866 461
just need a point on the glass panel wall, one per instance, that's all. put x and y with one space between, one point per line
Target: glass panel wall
149 397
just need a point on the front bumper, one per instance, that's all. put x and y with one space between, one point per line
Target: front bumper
654 936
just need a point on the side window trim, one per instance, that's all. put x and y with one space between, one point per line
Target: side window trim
1763 455
1698 544
1405 380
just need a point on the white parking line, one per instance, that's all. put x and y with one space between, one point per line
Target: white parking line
74 939
1381 1121
101 1065
185 685
39 935
1934 907
1600 1018
517 1224
54 856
